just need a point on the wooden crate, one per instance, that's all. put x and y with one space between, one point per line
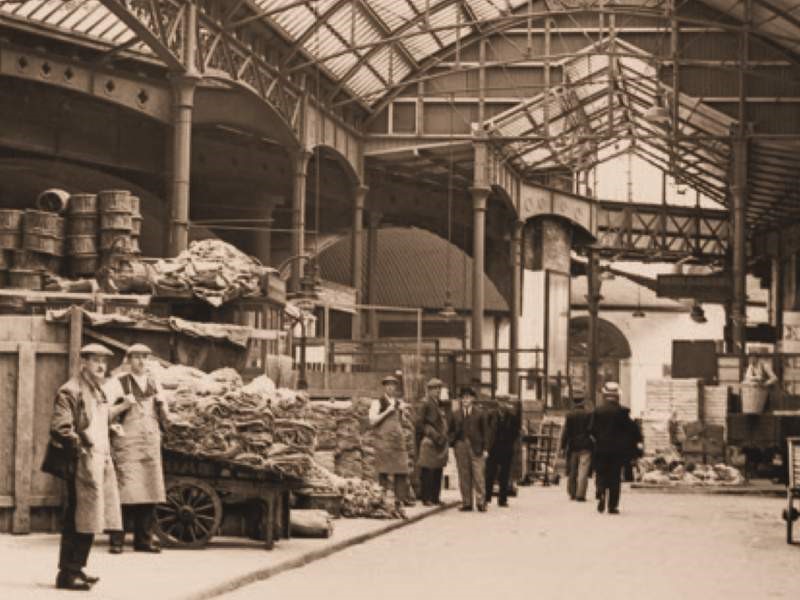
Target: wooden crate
34 362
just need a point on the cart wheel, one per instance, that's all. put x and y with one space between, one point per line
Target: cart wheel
191 515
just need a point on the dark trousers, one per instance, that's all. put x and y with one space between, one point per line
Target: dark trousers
74 548
498 467
400 485
608 466
431 484
143 517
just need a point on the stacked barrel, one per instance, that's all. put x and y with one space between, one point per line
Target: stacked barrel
10 240
116 226
42 249
82 224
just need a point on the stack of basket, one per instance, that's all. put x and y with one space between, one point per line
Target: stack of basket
42 249
136 229
82 224
10 240
116 227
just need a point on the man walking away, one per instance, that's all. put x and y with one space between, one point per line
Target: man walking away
471 438
433 448
79 427
577 447
391 454
506 433
609 427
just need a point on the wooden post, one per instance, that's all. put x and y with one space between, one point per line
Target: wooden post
23 442
75 339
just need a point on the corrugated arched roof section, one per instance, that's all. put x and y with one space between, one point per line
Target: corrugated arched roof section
412 270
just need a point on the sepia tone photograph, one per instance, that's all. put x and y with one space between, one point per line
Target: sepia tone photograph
391 299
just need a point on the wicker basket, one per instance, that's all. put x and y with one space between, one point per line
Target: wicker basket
81 204
83 224
24 279
120 221
115 201
83 265
10 219
81 244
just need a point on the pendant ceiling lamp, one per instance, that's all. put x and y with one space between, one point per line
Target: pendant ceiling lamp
638 313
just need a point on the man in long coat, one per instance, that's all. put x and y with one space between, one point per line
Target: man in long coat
577 446
431 429
471 438
507 426
136 449
80 424
391 454
610 428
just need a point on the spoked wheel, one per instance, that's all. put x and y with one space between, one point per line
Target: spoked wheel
191 515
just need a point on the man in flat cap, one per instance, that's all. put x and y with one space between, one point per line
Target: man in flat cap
391 454
576 444
431 429
609 427
136 448
471 438
507 426
80 425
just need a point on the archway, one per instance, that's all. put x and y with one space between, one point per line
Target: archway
613 350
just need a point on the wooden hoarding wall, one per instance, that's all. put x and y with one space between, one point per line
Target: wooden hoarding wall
33 364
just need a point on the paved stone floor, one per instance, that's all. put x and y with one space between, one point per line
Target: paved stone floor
661 546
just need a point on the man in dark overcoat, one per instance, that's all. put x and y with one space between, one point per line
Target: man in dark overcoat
431 427
610 429
471 437
507 425
577 447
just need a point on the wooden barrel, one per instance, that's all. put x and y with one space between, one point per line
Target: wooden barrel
114 240
134 247
82 204
10 219
53 200
81 244
46 244
24 279
27 260
114 201
136 225
10 239
84 265
121 221
43 223
136 205
83 224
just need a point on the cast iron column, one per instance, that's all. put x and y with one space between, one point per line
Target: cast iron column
299 172
262 248
515 304
357 258
479 198
739 205
183 86
592 302
372 268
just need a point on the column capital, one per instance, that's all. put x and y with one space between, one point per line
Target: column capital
480 195
183 87
300 160
360 194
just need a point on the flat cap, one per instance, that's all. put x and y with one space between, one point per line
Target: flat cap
434 382
138 349
96 349
390 379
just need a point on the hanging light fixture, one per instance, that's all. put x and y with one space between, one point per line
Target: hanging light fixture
698 315
638 313
448 310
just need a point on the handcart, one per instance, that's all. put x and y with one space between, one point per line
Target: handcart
198 488
542 450
791 514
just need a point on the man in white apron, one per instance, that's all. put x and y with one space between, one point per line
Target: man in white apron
391 454
80 423
136 449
